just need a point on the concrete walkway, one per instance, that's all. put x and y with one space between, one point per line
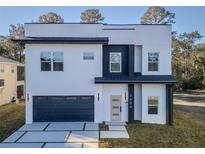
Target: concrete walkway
62 135
116 130
54 135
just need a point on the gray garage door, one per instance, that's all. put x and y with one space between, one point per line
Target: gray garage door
63 108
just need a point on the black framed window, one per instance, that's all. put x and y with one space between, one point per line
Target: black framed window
115 62
152 105
153 61
45 61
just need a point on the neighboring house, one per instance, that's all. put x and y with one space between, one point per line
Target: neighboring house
11 80
98 72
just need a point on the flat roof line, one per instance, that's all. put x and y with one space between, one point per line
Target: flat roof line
104 24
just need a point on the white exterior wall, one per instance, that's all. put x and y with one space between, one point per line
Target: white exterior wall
76 79
138 102
113 89
152 38
138 59
78 75
154 90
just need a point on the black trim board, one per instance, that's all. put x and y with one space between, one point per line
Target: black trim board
131 61
169 104
136 79
63 40
131 102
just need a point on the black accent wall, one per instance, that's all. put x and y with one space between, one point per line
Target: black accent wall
123 49
131 61
131 102
169 104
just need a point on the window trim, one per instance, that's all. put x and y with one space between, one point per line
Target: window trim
153 62
46 61
114 63
157 105
52 59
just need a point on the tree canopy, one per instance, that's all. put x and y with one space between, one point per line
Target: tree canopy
91 16
157 15
13 50
50 17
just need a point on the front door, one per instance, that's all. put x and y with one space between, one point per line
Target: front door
115 106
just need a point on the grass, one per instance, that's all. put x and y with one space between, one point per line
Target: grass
11 118
186 131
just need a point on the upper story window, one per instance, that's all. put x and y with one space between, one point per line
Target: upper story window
88 56
52 61
57 61
1 68
153 61
20 73
1 83
45 61
152 105
12 69
115 62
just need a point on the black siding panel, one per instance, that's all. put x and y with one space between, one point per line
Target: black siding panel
131 61
106 60
63 108
169 104
131 102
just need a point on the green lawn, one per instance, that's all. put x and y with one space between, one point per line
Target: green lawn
187 131
11 118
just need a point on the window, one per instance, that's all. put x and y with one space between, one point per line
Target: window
58 61
46 61
115 62
20 73
152 105
88 56
1 83
1 68
12 69
153 60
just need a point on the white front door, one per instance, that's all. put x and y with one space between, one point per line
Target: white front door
115 107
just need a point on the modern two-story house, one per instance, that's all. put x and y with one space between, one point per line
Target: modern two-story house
98 72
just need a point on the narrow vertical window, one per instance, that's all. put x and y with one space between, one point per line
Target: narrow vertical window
115 62
153 61
152 105
58 61
1 68
12 69
45 61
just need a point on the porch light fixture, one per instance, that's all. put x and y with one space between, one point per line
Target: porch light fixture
27 97
125 96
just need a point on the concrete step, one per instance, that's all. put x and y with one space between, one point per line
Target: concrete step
116 123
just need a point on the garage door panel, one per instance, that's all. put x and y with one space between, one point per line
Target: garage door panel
63 108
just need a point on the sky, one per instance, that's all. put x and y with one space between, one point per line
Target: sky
188 19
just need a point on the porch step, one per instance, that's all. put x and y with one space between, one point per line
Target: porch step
116 123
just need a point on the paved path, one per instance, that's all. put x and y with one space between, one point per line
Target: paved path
62 135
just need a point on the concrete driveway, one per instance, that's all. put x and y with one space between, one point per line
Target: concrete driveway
54 135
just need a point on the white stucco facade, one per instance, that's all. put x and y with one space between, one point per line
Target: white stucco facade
78 75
